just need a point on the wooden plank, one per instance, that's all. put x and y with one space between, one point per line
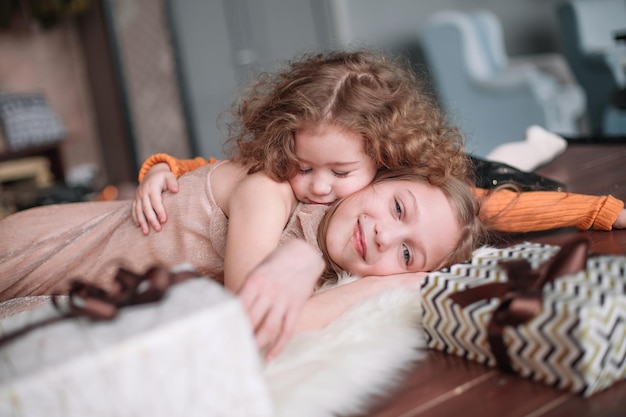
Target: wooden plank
610 243
596 170
431 381
500 395
608 403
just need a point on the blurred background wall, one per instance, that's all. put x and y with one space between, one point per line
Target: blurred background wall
220 43
130 78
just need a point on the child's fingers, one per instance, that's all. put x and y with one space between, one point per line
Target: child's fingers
288 329
265 316
150 215
156 202
139 218
620 222
133 211
171 184
256 308
270 328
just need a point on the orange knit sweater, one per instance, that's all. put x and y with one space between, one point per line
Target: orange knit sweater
502 210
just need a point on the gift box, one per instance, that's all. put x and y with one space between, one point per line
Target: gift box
190 354
529 310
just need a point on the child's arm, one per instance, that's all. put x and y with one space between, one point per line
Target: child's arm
620 222
509 211
158 174
147 207
258 210
277 289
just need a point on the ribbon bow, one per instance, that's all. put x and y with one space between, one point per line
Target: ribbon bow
88 300
521 297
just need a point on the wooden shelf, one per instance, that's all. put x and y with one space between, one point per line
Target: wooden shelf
51 151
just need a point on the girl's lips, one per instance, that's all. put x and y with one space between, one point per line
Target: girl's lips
359 242
322 204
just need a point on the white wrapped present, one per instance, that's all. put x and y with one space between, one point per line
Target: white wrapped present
190 354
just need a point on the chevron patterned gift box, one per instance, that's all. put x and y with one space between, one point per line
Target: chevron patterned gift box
546 314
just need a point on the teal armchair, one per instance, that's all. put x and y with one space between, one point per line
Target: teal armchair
596 57
488 98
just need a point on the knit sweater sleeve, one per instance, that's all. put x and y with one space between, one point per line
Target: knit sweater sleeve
177 166
510 211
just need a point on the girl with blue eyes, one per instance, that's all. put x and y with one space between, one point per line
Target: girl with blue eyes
401 224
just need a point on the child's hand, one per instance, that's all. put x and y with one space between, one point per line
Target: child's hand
275 292
620 222
148 207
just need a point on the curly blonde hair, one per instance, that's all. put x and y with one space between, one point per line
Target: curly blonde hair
370 94
458 192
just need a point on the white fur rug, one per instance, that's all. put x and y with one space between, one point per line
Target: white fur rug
337 370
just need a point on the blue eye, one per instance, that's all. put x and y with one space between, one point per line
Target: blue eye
406 254
398 209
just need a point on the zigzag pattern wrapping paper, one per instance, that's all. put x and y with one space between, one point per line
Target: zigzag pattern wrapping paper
577 342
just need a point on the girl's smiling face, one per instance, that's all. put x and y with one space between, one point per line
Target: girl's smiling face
333 164
393 227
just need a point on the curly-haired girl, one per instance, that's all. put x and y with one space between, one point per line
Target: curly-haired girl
326 124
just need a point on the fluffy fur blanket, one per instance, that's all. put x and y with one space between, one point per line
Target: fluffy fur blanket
337 370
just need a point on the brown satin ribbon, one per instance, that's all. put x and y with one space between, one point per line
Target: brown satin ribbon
85 299
521 296
90 301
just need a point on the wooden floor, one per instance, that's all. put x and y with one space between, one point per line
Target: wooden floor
445 385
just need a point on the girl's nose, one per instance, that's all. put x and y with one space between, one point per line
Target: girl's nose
386 235
320 186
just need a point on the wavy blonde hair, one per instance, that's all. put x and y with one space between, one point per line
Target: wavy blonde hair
458 192
371 94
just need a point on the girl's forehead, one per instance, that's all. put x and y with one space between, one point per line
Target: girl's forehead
329 135
319 127
413 188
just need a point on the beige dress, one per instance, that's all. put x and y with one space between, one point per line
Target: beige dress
42 249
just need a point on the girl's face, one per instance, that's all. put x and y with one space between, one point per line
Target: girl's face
393 227
332 164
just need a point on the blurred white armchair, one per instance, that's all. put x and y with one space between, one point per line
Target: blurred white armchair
490 98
